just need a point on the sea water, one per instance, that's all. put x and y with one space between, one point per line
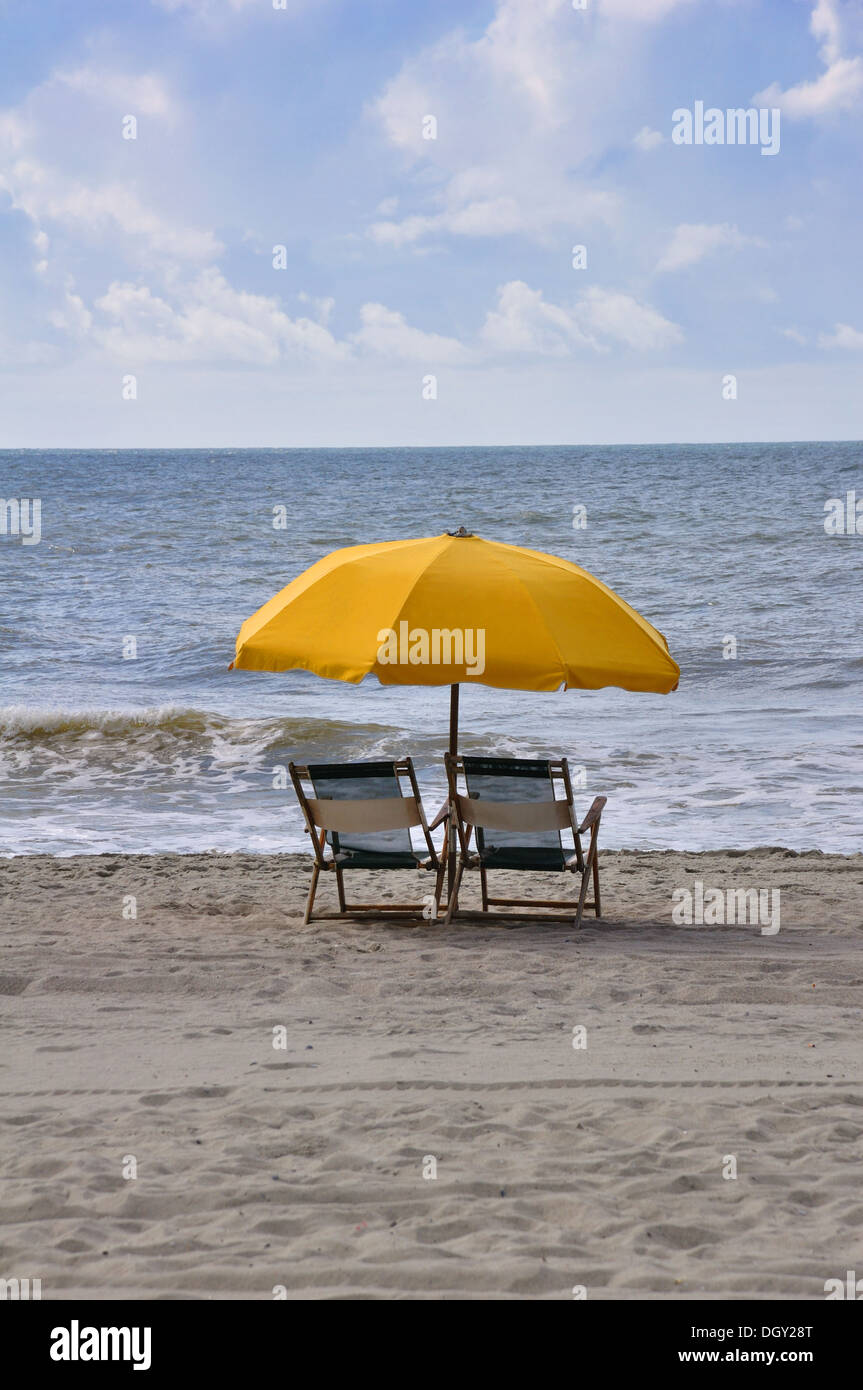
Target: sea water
122 728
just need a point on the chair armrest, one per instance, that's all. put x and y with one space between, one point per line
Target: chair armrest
442 815
593 815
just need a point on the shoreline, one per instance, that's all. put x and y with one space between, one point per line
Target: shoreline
302 855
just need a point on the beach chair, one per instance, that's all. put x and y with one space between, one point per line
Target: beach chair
362 813
512 808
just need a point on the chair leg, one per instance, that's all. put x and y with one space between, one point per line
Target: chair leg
596 899
340 886
585 879
313 888
453 897
484 885
438 889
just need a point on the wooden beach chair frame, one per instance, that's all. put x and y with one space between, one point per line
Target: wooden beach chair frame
340 815
556 813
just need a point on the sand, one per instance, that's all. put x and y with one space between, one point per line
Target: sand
302 1168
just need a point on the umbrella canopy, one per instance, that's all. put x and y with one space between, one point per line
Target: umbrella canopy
456 609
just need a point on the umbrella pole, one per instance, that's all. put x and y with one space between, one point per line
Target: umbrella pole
453 748
453 720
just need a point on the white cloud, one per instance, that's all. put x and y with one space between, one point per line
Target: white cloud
522 113
323 307
646 11
506 215
74 318
142 94
826 28
42 141
211 322
625 320
648 139
14 132
207 320
518 46
46 195
837 89
843 336
525 322
387 332
692 241
795 336
839 86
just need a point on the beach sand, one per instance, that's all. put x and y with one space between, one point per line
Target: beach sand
257 1167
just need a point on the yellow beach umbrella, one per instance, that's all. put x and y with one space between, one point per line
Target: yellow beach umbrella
451 610
456 609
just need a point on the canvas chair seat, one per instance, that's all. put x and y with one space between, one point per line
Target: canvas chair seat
542 859
368 859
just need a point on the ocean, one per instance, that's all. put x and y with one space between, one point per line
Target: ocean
115 745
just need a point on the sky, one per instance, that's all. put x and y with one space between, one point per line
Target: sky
352 222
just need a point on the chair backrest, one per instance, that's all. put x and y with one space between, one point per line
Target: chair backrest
511 802
362 806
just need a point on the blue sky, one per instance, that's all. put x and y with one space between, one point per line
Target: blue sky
408 258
